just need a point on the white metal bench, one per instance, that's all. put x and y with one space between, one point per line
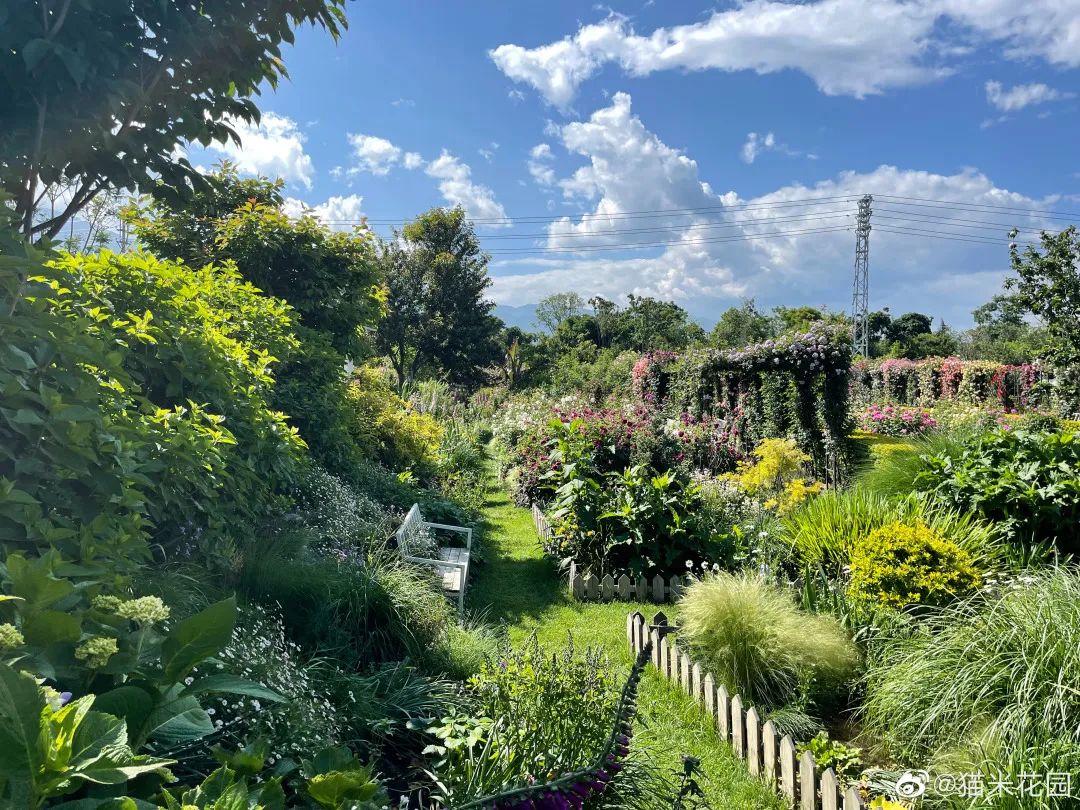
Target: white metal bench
452 564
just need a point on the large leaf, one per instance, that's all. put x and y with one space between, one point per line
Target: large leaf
51 627
224 682
21 704
332 789
195 639
178 720
130 703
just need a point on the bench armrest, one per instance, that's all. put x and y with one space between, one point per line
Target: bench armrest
465 530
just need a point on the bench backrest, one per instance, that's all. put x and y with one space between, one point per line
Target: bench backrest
413 523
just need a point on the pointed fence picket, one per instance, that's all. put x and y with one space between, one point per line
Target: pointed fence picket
587 587
767 754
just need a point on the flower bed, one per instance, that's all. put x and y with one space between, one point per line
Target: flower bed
892 420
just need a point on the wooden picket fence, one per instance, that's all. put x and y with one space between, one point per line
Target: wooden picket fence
588 588
767 755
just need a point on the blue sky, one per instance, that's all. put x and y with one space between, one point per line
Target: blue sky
580 125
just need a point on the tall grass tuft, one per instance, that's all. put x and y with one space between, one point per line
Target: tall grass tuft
991 685
758 643
825 531
893 474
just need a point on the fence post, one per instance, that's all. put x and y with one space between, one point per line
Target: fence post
787 770
723 713
638 637
738 727
674 588
592 588
753 742
684 672
695 683
709 685
665 655
579 586
659 620
607 588
768 751
852 799
630 630
829 791
642 590
807 782
624 587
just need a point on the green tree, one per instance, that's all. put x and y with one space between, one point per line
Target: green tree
797 319
99 95
331 279
741 326
904 328
556 308
649 324
608 323
439 323
1047 284
1002 333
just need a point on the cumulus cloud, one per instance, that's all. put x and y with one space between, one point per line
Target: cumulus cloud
792 245
374 154
340 213
756 144
412 160
275 148
847 47
458 188
539 168
1021 95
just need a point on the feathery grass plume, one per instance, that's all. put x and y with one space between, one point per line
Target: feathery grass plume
893 474
990 685
758 643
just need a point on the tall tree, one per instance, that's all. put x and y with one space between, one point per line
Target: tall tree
1047 283
439 321
608 324
556 308
99 95
740 326
904 328
651 324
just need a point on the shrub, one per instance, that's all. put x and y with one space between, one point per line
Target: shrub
891 420
773 477
901 564
1027 482
751 635
826 530
988 686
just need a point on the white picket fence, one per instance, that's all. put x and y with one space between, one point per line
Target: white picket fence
589 588
766 754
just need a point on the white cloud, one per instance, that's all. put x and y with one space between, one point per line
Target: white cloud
1021 95
412 160
341 213
539 157
403 102
755 145
723 246
274 148
516 95
847 47
488 152
458 188
374 154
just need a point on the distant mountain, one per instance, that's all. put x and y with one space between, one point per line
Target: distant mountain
523 316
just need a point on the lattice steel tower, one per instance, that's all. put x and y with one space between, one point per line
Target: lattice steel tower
860 291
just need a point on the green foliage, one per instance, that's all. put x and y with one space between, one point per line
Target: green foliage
536 716
898 565
741 326
845 760
988 686
49 748
827 529
1029 483
1048 285
553 309
439 321
98 97
751 635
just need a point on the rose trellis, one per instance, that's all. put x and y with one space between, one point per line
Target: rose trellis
795 386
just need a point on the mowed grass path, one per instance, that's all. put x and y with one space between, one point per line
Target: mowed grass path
518 587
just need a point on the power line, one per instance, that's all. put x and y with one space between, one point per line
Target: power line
990 206
978 240
635 246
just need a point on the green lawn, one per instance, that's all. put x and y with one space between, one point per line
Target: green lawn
519 587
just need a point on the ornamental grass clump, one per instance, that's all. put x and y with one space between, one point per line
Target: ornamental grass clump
900 564
757 642
988 685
